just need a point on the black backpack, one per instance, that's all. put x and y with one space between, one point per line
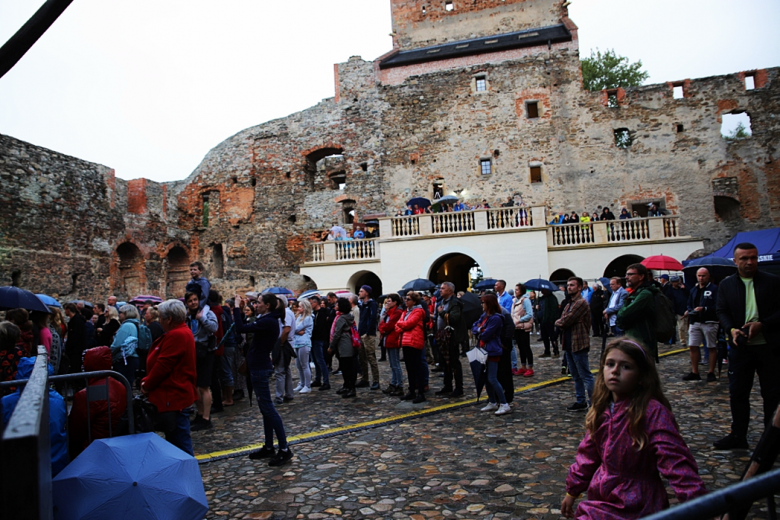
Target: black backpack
665 317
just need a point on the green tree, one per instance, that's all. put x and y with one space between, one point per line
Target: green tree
608 70
740 132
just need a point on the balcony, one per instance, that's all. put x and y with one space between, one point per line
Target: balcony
499 221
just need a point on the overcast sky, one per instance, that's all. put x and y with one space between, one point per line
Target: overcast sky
147 87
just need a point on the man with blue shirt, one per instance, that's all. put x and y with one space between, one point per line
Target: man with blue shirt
616 301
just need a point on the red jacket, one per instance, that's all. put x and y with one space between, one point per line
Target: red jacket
95 359
171 370
412 329
387 328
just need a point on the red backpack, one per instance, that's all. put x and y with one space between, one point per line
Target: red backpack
356 343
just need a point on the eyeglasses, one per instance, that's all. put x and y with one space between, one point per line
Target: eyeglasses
408 299
631 274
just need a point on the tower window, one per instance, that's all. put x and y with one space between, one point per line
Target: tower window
622 138
750 82
449 5
678 92
532 109
485 166
481 84
536 174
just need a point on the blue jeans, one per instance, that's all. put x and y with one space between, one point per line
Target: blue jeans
272 421
226 367
494 389
514 358
396 374
321 369
580 372
180 436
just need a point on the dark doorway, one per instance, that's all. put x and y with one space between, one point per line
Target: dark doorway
178 272
370 279
453 268
131 270
618 266
561 276
217 261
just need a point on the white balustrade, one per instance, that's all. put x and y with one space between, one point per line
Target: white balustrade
455 222
508 218
407 226
318 252
572 234
356 249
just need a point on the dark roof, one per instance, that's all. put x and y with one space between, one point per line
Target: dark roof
499 42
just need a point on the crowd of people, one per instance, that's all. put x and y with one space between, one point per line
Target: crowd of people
205 353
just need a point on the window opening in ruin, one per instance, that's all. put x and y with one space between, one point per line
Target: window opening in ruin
235 180
74 281
348 211
339 180
424 11
204 221
449 5
481 84
641 207
736 126
217 261
414 161
178 273
623 138
727 208
292 219
486 166
254 182
364 166
287 175
350 217
251 281
680 128
16 278
750 82
678 92
438 189
536 174
532 109
612 100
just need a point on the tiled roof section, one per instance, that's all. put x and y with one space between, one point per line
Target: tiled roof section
500 42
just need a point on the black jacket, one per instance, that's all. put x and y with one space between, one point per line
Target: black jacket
679 298
709 298
322 322
731 304
369 316
77 337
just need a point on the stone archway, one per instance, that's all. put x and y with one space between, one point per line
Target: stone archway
361 278
618 266
455 268
132 273
177 273
560 276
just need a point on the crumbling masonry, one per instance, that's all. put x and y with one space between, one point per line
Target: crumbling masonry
467 85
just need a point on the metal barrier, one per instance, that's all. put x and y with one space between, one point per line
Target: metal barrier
723 500
25 450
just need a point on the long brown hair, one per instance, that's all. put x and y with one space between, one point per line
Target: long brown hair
648 387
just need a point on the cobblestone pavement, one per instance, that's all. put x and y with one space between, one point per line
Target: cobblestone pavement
454 463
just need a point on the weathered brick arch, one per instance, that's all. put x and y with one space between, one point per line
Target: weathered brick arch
132 270
315 154
177 272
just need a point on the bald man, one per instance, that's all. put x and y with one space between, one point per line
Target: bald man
703 328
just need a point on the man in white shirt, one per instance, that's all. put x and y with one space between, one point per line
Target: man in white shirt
284 382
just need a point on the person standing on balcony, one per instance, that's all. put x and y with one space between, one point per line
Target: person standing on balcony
367 329
606 214
702 302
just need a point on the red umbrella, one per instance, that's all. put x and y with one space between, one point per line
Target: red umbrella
665 263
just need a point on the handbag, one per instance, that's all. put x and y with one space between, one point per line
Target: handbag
147 419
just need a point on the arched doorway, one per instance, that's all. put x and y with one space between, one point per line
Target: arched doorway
618 266
178 272
362 278
560 276
132 277
455 268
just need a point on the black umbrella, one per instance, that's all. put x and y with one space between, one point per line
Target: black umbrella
472 308
16 298
487 283
422 202
537 284
419 284
478 370
718 267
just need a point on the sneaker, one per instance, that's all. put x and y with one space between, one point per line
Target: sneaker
529 372
288 398
198 418
443 391
375 385
203 424
692 377
316 384
326 386
349 393
577 407
518 371
305 389
730 442
298 388
458 392
545 355
278 401
409 396
281 457
263 453
564 371
503 409
419 399
336 372
489 408
711 377
362 384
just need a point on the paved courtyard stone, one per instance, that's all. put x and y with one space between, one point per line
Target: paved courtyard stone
454 463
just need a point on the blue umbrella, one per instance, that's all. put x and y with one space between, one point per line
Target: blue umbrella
48 300
278 290
718 267
16 298
419 284
537 284
308 294
135 476
487 283
422 202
